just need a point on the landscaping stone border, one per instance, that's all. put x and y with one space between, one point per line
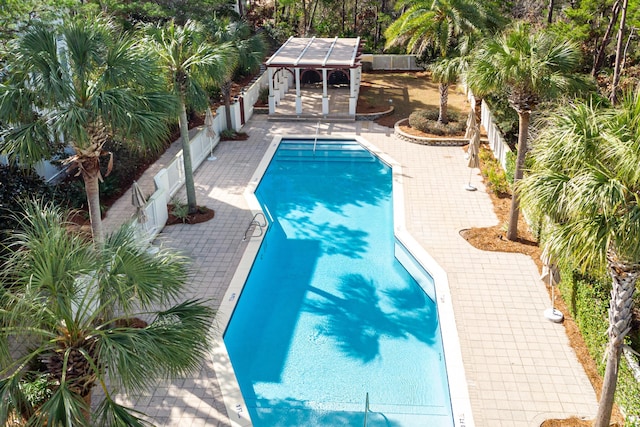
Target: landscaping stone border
370 117
423 140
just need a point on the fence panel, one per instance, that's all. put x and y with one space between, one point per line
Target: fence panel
392 62
496 141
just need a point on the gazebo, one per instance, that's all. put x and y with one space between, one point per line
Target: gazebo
313 60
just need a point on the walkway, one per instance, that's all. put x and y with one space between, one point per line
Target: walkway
519 366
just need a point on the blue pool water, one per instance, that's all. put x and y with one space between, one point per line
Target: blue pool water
328 315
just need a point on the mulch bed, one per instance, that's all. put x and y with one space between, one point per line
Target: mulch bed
237 136
203 214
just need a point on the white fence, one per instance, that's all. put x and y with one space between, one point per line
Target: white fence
392 62
496 141
170 179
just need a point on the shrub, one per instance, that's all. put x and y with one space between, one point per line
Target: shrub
427 121
587 299
179 209
263 95
511 166
506 118
492 170
17 185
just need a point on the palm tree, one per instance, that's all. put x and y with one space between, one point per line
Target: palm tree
250 50
585 180
530 67
433 29
80 85
68 323
190 63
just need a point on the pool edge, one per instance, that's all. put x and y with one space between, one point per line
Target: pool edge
458 386
231 394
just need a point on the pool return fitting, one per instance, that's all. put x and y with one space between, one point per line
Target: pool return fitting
255 223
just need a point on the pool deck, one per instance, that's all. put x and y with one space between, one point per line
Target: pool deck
519 366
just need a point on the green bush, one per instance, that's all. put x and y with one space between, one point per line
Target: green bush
17 185
492 170
506 118
587 299
263 95
179 209
511 166
427 121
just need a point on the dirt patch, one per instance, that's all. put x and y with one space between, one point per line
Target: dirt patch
202 214
407 92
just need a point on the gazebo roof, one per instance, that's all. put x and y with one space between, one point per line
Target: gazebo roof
317 53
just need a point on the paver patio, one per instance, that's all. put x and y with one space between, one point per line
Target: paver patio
519 366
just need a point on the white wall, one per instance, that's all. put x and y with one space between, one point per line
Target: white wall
392 62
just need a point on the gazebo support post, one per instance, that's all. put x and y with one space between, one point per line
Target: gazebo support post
298 97
353 96
272 97
325 96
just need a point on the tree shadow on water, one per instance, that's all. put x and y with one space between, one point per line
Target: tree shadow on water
292 412
337 239
358 323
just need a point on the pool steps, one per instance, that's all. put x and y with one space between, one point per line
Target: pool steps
303 149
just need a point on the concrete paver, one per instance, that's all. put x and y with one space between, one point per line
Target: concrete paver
520 368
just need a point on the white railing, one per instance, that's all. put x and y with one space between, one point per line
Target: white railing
496 141
392 62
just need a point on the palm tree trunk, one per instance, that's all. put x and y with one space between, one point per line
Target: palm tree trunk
443 115
523 135
617 70
550 12
186 158
225 88
624 278
597 61
355 17
90 168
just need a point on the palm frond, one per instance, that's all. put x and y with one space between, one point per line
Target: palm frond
172 345
585 180
63 408
111 414
135 275
13 401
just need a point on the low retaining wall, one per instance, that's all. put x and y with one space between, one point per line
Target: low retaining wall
369 117
423 140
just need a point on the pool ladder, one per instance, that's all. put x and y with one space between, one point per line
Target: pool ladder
255 223
366 410
315 140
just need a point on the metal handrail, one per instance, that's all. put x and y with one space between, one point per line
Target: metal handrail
255 223
366 410
315 141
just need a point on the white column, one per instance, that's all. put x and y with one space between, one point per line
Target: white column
277 86
282 84
325 96
298 97
272 97
353 96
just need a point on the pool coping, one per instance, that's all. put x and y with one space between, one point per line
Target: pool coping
458 387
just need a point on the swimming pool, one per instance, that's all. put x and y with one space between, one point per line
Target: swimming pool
328 314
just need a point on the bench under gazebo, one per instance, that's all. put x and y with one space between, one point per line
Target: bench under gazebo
325 73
